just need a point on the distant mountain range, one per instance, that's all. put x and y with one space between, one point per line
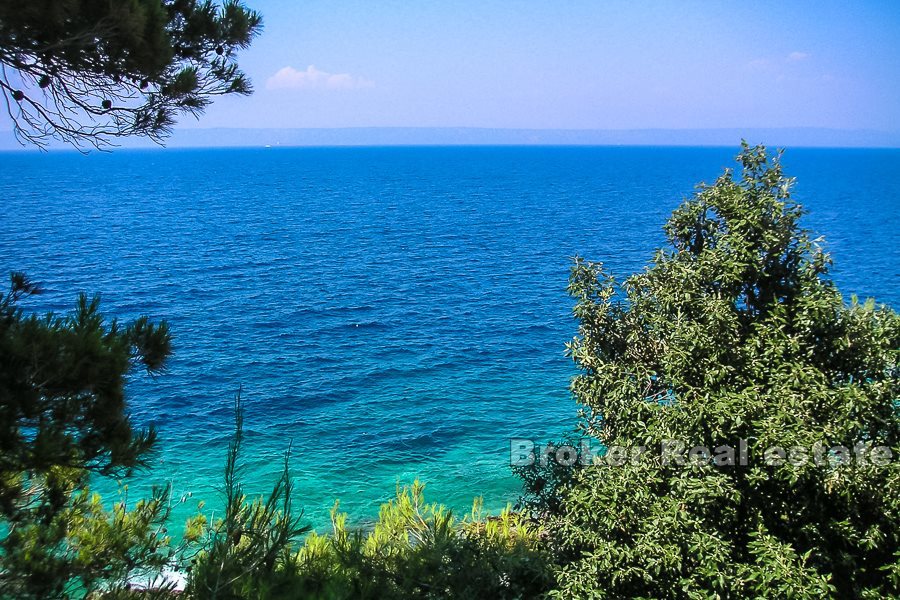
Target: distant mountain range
462 136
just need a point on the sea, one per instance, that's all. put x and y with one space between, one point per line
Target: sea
387 313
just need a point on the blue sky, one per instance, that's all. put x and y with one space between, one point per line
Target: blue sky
570 64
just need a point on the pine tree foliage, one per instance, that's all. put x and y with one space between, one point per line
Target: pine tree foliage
735 332
247 552
418 549
62 386
89 71
86 548
64 419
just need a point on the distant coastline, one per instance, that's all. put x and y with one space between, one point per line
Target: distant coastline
474 136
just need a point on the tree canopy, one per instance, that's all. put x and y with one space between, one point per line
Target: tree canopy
735 332
90 71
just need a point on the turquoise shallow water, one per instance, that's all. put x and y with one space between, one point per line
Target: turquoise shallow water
394 312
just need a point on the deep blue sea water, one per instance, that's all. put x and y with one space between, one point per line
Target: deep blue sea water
394 312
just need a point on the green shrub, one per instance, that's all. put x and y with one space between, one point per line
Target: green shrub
414 550
419 550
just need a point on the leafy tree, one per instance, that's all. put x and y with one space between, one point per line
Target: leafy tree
735 332
63 417
89 71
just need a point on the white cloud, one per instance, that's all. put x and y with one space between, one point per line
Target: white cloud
797 56
313 78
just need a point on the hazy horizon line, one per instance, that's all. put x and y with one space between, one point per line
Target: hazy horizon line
248 137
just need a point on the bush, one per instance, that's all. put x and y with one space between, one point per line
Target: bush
414 550
419 550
